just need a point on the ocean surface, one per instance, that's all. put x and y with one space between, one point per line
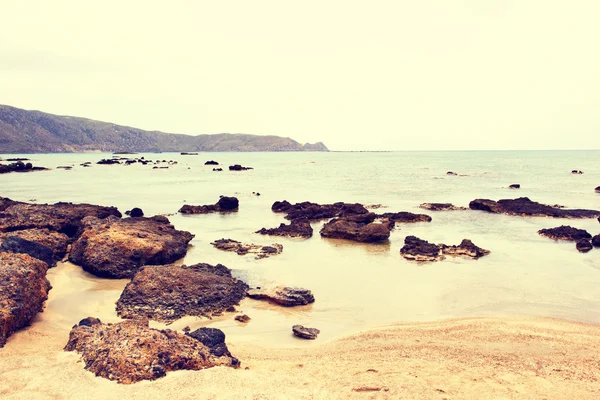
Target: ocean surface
356 286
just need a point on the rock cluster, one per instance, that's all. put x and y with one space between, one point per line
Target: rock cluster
315 212
225 204
297 228
525 207
245 248
421 250
238 167
19 166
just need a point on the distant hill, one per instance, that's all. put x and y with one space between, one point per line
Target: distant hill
23 131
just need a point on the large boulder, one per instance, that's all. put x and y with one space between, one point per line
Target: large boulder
225 204
15 244
167 293
283 296
118 248
23 290
297 228
131 351
525 207
359 228
56 241
565 232
248 248
212 338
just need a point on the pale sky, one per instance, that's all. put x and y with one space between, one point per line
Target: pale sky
357 75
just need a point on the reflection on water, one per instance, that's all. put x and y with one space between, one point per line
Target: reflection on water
355 285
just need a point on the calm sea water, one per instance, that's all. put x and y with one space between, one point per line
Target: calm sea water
356 286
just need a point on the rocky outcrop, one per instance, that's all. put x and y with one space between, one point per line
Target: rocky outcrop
565 232
406 217
245 248
305 333
421 250
441 207
359 228
167 293
584 245
297 228
23 290
525 207
56 241
60 217
225 204
238 167
118 248
315 212
283 296
131 351
19 167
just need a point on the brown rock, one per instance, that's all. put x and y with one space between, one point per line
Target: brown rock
420 250
360 228
245 248
465 249
242 318
284 296
565 232
225 204
167 293
23 290
441 207
56 241
305 333
406 217
296 228
525 207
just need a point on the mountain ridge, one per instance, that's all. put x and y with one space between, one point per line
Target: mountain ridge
31 131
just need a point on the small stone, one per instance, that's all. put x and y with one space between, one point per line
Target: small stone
305 333
242 318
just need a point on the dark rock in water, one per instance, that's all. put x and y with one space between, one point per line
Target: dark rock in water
89 321
597 190
167 293
525 207
211 162
466 248
17 159
284 296
406 217
359 228
218 169
244 248
584 245
314 212
441 207
214 339
515 186
131 351
118 248
305 333
19 167
23 290
225 204
296 228
15 244
56 241
238 167
451 173
565 232
189 154
66 167
575 171
420 250
59 217
242 318
596 241
135 212
108 162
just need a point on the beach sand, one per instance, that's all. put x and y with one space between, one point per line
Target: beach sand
476 358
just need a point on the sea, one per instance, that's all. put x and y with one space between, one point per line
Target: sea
357 286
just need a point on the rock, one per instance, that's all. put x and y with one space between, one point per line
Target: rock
466 248
284 296
118 248
596 241
565 233
130 351
108 162
218 169
238 167
359 228
305 333
584 245
406 217
15 244
441 207
575 171
451 173
211 162
314 212
189 154
242 318
23 290
19 167
89 321
244 248
214 339
56 241
65 167
597 190
225 204
297 228
135 212
514 186
420 250
525 207
60 217
167 293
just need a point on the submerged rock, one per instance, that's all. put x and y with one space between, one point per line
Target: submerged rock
296 228
525 207
56 241
565 232
420 250
584 245
514 186
131 351
406 217
19 167
360 228
118 248
441 207
283 295
305 333
238 167
314 212
466 248
211 162
23 290
167 293
244 248
225 204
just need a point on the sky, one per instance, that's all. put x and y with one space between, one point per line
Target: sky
356 75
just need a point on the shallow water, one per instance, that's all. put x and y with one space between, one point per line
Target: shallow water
356 286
